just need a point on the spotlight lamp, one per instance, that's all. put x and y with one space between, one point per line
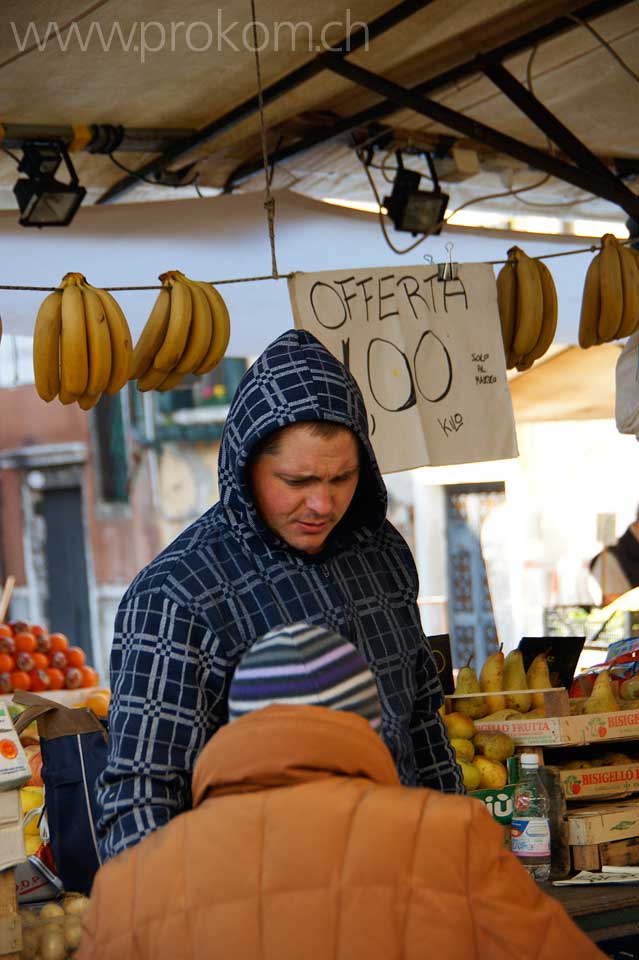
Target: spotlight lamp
411 209
43 200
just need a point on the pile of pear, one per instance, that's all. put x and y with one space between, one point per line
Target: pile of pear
480 754
499 677
603 699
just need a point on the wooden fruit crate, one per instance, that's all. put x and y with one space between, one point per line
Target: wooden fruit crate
604 835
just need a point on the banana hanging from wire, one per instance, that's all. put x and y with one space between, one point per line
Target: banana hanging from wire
81 344
187 333
611 310
46 346
610 302
527 301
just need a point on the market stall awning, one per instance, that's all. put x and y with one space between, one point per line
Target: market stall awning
574 384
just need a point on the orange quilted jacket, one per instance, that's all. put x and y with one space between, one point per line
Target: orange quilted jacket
302 845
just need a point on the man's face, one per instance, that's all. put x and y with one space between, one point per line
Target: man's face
304 489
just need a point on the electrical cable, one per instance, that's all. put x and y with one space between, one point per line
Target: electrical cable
153 183
382 224
604 43
38 45
10 154
503 193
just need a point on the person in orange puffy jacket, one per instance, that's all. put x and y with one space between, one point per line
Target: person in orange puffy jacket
303 845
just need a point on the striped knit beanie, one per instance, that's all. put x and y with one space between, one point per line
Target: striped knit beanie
304 665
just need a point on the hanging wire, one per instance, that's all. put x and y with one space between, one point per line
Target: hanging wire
604 43
269 202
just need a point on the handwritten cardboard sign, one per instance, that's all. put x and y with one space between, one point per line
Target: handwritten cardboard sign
426 353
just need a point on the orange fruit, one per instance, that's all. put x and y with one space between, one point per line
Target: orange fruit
25 642
21 680
99 703
72 678
90 677
40 661
75 657
7 663
58 659
39 680
56 678
58 641
5 630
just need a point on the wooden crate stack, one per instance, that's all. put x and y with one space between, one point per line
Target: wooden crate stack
598 833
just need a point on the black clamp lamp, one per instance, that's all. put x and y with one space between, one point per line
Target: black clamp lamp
43 200
411 209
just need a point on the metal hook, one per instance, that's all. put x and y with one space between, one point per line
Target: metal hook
428 258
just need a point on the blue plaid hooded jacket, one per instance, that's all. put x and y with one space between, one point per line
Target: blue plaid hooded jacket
187 618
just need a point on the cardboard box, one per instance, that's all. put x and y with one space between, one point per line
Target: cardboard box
569 731
499 803
12 849
540 732
614 781
613 821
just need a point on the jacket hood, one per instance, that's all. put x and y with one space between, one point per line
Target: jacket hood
296 379
281 746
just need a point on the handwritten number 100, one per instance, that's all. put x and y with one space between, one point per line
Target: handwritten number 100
430 349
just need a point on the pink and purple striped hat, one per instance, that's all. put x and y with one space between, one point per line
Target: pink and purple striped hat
307 666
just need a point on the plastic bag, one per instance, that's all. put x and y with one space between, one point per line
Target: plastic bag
74 752
627 396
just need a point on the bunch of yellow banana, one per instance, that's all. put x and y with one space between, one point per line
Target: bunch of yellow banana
187 332
610 304
81 344
527 301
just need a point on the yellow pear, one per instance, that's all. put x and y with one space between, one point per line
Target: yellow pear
602 698
464 749
494 745
467 682
490 681
515 679
460 726
536 714
502 715
613 759
493 775
538 677
471 775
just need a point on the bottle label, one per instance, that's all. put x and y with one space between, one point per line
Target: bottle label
530 837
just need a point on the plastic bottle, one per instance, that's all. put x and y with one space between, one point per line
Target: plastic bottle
530 828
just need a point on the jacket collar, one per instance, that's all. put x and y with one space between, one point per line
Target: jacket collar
281 746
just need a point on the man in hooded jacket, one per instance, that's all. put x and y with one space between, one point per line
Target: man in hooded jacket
287 541
302 845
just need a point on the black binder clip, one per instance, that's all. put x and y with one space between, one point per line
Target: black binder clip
448 270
